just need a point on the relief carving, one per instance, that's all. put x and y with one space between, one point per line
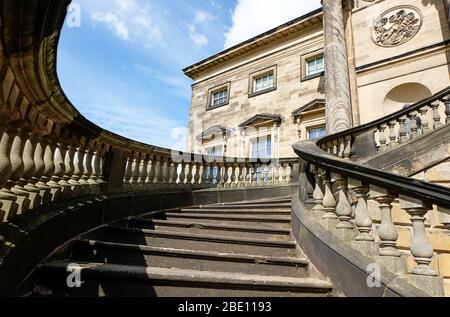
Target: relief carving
396 26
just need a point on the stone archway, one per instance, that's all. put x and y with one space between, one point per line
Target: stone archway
407 93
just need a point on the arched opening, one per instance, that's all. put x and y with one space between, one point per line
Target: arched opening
408 93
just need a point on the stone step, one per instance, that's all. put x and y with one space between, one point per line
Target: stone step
125 280
258 202
259 232
226 211
248 206
238 218
119 253
187 240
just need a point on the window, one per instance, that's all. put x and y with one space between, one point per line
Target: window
214 151
315 66
263 83
262 147
317 133
218 96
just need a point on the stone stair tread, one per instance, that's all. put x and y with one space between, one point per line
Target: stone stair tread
183 275
246 206
236 211
259 201
204 237
250 258
191 224
232 217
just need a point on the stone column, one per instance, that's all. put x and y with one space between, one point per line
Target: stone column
337 92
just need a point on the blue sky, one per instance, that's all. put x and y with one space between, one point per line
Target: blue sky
122 67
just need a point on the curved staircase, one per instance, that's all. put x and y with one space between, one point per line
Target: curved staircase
236 249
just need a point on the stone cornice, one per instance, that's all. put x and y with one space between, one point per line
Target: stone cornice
257 42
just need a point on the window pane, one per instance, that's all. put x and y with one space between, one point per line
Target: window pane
317 133
263 83
315 66
219 98
262 147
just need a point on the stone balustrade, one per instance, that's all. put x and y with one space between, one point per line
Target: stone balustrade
391 131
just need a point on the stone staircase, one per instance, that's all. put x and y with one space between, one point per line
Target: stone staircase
235 249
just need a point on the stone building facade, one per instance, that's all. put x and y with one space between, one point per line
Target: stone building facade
261 96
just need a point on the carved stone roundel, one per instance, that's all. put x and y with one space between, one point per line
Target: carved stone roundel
396 26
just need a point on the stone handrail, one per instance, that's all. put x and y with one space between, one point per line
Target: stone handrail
337 189
390 131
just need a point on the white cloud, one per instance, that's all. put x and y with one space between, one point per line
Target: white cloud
202 16
113 23
253 17
128 20
199 39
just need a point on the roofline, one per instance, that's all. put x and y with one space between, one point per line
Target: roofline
253 39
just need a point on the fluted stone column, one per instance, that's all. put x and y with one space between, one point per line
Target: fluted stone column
337 92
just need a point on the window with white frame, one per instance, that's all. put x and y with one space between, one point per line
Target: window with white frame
315 65
264 82
317 133
261 147
219 98
214 151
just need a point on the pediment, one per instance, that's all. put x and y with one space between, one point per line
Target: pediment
214 132
316 104
261 119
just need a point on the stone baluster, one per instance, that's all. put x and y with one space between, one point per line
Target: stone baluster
392 135
446 101
421 248
49 173
149 181
402 130
436 115
276 173
340 147
173 173
166 170
363 219
219 177
387 231
66 160
88 169
60 169
143 173
29 172
270 179
343 208
242 175
205 174
158 170
382 128
284 173
197 174
136 166
234 175
83 180
334 147
347 147
7 197
318 195
95 180
128 172
17 172
414 124
211 174
182 177
226 175
38 179
189 174
424 120
254 176
329 219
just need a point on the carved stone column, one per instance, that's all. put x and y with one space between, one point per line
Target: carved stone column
338 101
